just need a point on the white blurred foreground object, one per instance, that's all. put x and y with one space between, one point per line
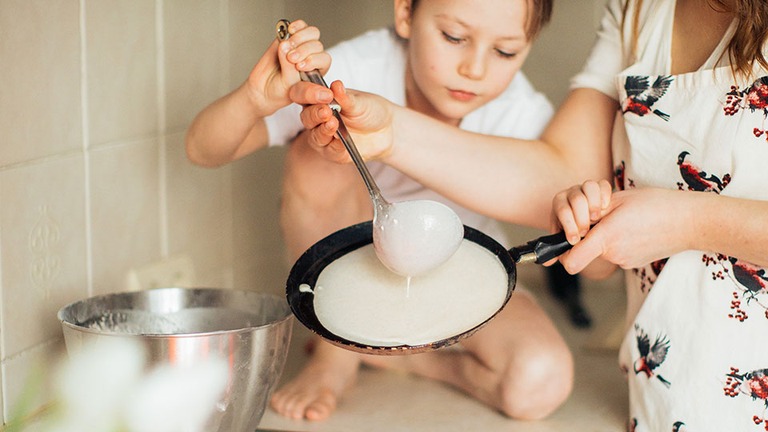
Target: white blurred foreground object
106 387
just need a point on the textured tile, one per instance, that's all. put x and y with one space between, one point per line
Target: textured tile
259 258
40 103
121 55
358 16
251 30
28 377
261 261
43 242
199 213
195 47
3 409
267 274
125 211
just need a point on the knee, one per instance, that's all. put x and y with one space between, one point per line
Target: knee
536 383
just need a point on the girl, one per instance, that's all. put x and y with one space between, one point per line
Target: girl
672 105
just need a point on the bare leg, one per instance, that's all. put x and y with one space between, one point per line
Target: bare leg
319 197
518 363
314 393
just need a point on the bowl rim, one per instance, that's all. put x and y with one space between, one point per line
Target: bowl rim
79 328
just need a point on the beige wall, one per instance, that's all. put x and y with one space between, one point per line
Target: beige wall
94 102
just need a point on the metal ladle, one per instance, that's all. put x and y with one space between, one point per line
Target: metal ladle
409 237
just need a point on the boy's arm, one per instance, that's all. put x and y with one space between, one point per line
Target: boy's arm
233 126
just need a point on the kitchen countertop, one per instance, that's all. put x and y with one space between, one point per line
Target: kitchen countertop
392 401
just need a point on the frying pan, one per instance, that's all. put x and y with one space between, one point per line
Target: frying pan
309 266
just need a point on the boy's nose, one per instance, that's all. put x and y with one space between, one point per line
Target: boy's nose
473 65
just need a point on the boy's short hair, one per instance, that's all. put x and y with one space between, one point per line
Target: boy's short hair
541 13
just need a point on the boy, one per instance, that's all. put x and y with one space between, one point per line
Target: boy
456 61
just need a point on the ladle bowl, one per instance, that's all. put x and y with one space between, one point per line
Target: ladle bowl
413 237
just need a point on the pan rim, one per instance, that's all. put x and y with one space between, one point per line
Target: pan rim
338 244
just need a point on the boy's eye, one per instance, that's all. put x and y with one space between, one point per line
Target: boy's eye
452 39
505 54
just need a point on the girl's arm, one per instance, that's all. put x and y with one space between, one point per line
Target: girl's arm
732 226
508 179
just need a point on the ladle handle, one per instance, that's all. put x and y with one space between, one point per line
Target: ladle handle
314 76
542 249
343 134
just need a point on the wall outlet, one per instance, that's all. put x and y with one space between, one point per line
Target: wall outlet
176 271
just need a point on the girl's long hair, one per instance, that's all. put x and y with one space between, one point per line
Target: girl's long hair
745 47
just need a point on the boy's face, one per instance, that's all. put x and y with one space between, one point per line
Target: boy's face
461 53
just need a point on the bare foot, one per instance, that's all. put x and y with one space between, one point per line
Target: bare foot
315 392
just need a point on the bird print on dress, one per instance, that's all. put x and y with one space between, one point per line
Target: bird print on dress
632 425
619 176
641 96
696 179
649 274
748 275
678 426
651 356
753 384
753 98
748 281
620 179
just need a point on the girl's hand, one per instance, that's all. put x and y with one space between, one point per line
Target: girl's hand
278 69
368 118
638 227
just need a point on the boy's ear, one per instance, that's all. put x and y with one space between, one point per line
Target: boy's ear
403 12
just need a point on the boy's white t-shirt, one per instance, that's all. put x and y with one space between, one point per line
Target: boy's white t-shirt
375 62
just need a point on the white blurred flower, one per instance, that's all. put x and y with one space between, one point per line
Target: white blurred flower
103 387
176 399
91 385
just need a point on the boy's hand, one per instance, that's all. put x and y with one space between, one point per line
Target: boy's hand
278 69
574 210
638 227
368 118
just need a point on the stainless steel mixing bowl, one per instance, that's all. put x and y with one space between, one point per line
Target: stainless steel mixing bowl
250 330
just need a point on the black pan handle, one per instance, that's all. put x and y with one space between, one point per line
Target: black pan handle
542 249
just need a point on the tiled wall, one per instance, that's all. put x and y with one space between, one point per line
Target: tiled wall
95 98
94 102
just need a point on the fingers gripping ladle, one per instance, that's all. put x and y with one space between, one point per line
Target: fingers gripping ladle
409 237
